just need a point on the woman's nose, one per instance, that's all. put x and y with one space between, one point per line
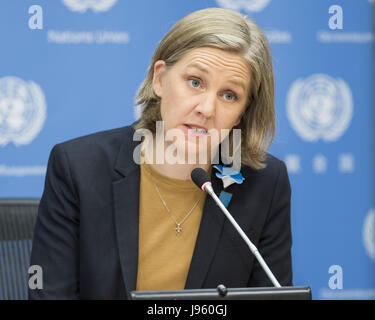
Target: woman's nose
207 105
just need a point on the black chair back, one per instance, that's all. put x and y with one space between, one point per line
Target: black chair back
17 221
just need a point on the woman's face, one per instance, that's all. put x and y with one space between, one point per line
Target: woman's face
204 92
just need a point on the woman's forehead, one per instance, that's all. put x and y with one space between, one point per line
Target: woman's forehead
210 60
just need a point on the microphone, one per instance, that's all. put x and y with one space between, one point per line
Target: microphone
202 180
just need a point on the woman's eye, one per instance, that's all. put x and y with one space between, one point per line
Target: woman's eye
230 96
195 83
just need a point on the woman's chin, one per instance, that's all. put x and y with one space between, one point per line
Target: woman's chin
187 153
197 153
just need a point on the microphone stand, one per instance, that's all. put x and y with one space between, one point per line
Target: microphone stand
208 188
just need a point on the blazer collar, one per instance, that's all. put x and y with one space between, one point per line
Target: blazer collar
125 163
126 211
208 237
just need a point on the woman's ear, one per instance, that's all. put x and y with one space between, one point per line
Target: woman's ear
157 81
238 122
240 118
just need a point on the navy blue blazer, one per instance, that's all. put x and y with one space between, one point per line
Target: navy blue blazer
86 234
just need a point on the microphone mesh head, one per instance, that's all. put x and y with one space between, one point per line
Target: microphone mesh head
199 177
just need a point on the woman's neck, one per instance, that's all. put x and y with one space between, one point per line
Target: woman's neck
178 171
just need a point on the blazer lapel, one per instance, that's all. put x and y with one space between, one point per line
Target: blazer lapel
126 210
208 237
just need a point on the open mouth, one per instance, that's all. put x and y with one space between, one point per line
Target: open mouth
196 129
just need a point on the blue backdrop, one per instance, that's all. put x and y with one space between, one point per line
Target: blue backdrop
72 67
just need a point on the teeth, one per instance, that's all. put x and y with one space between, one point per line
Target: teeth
200 130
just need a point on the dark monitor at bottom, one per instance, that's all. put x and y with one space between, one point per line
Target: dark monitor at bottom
223 293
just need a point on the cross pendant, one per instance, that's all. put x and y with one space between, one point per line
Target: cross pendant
178 229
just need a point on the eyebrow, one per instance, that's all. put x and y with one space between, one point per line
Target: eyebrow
204 70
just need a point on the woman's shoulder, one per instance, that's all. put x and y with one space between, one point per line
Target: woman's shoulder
274 169
99 147
102 137
273 163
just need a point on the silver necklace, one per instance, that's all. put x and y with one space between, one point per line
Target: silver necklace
178 228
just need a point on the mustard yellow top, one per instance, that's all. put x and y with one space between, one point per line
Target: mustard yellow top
164 254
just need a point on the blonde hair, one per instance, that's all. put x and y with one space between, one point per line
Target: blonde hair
230 31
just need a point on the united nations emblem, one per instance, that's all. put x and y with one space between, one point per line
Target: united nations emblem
247 5
95 5
319 107
22 111
369 234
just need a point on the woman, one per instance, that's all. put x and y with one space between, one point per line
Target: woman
113 219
